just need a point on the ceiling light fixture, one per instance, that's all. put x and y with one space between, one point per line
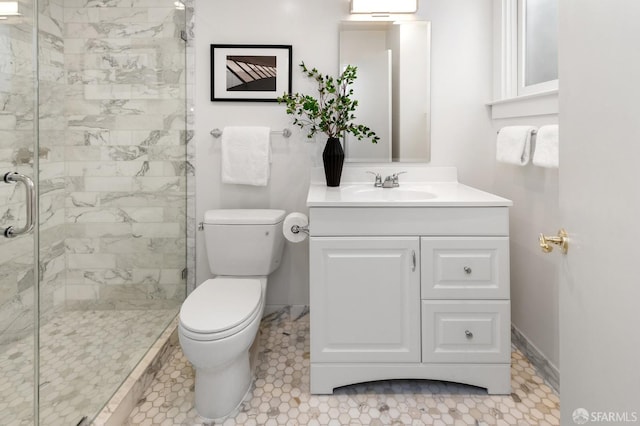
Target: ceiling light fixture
384 6
9 8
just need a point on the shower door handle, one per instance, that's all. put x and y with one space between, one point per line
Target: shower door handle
13 177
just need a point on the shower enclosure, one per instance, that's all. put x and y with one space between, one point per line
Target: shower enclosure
94 201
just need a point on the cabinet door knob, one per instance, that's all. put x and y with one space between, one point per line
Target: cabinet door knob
468 334
413 260
467 269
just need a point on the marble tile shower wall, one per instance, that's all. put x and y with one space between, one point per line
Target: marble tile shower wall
51 127
125 148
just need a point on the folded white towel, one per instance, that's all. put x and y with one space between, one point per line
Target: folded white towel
246 155
513 145
546 153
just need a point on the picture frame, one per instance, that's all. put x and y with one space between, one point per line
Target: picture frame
250 72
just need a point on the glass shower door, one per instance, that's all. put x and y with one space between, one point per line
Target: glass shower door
112 194
96 119
18 166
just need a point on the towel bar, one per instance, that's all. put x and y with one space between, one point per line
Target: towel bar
216 133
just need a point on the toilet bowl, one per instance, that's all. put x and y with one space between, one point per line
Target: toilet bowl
220 352
219 320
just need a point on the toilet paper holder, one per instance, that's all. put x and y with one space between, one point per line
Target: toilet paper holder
296 229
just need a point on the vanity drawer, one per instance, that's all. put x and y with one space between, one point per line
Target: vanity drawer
465 268
466 331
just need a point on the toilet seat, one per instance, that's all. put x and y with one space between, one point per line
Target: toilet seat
220 307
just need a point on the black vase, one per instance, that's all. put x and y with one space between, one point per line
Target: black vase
333 159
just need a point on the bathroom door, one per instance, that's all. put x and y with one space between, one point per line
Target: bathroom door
600 207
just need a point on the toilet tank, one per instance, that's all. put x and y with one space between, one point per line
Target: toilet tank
244 242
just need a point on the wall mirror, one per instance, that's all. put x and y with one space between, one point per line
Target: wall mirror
392 88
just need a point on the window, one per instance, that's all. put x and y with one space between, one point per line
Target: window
526 43
525 58
537 46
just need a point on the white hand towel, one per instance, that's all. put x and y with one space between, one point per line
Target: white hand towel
546 153
246 155
513 145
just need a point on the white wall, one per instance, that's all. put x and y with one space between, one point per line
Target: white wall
534 274
463 135
461 85
461 73
312 28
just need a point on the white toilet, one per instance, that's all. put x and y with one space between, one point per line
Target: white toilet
219 320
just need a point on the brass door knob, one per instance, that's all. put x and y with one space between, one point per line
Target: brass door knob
561 240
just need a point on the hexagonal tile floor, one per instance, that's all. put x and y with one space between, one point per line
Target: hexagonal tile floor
280 393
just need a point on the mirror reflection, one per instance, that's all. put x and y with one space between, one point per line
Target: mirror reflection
392 88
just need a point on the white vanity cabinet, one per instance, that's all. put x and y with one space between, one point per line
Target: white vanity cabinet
410 292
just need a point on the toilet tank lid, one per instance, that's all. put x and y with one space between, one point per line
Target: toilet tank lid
243 217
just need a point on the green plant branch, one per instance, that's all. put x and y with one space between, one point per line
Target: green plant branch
333 111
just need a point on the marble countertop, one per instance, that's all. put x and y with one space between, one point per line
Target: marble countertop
436 188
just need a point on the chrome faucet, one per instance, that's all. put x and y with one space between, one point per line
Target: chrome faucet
378 182
392 181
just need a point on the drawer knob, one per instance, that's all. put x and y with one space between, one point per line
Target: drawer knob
467 270
468 334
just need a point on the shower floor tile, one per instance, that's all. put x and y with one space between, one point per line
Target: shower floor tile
280 393
84 357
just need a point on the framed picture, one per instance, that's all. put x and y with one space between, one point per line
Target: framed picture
245 72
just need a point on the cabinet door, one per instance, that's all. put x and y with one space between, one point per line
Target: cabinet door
365 299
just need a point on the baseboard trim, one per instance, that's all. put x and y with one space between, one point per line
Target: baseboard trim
544 367
292 311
